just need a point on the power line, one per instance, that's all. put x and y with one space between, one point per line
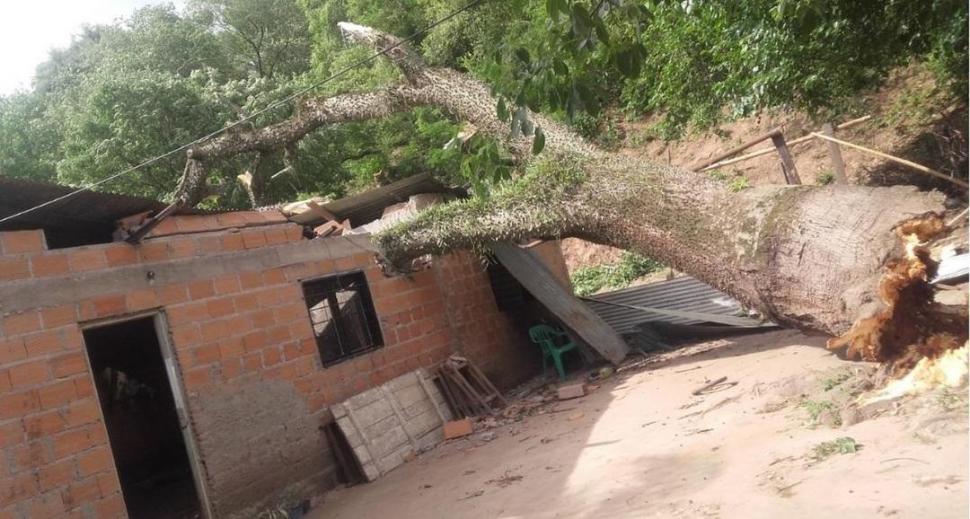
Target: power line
271 106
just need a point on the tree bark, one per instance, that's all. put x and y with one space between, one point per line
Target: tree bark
804 256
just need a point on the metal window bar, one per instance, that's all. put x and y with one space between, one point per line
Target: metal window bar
342 316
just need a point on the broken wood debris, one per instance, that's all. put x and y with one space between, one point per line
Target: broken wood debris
466 389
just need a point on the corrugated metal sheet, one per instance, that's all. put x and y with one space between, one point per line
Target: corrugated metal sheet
87 208
683 293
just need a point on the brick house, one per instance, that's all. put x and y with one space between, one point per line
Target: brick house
194 370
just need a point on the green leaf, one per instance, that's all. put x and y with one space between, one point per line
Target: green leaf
502 110
539 141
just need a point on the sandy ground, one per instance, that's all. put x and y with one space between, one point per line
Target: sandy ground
641 445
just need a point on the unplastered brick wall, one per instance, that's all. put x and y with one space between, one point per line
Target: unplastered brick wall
229 290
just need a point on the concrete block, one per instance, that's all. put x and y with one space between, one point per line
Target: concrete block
457 428
571 391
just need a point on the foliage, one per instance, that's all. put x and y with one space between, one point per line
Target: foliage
825 177
590 280
816 408
843 445
138 87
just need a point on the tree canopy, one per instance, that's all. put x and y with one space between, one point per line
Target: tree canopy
137 88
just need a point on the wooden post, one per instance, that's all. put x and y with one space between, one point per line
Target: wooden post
787 164
835 155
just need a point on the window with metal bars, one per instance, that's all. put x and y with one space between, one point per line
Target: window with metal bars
343 317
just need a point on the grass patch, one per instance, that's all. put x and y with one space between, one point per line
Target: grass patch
843 445
816 408
834 381
825 177
590 280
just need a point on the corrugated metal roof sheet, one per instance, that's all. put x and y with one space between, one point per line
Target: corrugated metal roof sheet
683 293
85 209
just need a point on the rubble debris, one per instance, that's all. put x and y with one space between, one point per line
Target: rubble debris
570 391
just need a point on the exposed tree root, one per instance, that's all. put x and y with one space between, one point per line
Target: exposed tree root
911 326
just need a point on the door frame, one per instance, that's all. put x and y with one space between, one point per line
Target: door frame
178 393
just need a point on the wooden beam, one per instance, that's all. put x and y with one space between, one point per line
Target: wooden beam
787 163
917 167
541 283
737 149
835 155
323 213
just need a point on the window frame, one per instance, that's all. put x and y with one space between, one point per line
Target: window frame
367 319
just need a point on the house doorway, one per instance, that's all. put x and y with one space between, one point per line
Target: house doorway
143 412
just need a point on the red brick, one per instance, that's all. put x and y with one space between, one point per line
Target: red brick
231 219
252 362
17 488
274 277
43 265
231 368
196 378
83 412
186 314
18 242
206 354
81 492
68 364
29 373
83 386
82 260
55 475
121 254
74 441
196 223
12 350
253 239
220 307
15 405
12 268
271 356
181 248
233 242
226 285
153 250
108 481
214 330
58 316
294 233
186 336
11 433
57 394
141 300
201 289
275 236
246 302
106 306
250 280
94 461
231 348
110 507
172 294
43 343
254 340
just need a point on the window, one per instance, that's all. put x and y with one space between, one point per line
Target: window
343 317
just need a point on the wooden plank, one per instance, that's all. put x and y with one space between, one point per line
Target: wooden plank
835 155
917 167
324 213
544 286
787 163
737 149
764 151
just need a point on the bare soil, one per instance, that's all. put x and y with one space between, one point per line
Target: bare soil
781 437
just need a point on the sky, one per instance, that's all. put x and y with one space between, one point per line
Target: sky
29 29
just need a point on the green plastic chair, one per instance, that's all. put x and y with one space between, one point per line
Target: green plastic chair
545 336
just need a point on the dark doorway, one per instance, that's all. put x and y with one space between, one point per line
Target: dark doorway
142 420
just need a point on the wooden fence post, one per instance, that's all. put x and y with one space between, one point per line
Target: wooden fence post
835 155
787 164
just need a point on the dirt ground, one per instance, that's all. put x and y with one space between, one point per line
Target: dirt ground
763 444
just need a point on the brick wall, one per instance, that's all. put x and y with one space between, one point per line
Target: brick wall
257 393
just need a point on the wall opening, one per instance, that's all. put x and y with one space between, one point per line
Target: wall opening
343 317
143 425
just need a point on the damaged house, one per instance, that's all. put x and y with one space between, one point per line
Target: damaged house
193 373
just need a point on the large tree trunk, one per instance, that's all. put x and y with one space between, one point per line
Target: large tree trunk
805 256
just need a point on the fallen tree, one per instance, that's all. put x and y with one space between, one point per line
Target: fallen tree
811 257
